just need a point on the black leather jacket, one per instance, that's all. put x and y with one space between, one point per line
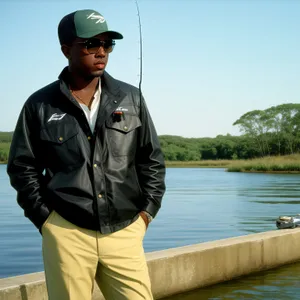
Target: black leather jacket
98 180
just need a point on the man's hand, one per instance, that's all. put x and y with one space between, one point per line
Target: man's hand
145 218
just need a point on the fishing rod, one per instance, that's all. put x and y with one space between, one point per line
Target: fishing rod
141 48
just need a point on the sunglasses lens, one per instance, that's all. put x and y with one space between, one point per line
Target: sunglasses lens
109 48
93 45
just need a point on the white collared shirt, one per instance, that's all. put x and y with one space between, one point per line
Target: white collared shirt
91 115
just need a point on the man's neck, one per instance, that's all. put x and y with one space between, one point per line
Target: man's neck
78 83
82 89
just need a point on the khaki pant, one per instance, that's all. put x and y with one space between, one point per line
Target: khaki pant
74 257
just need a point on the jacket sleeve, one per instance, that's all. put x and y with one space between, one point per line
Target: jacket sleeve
25 171
150 163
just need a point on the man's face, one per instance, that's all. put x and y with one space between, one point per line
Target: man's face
89 57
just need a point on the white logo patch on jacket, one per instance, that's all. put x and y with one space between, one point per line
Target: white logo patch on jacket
56 117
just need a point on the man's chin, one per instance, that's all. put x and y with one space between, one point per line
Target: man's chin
97 73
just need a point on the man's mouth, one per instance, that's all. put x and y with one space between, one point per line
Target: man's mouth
100 65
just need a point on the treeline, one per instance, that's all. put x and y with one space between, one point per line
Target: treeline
274 131
6 137
177 148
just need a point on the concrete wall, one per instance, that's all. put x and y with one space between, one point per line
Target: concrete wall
186 268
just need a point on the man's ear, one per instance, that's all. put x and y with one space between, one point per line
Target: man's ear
66 50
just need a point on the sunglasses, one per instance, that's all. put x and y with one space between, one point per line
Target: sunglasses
93 45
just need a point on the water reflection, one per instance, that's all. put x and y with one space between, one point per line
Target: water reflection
281 283
264 197
277 202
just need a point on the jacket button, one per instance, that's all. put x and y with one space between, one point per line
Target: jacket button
115 101
99 196
89 138
95 165
61 138
125 128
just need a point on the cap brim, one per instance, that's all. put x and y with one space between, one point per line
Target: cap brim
112 34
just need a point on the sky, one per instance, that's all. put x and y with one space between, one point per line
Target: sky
205 62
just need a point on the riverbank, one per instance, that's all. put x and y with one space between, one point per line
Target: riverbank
271 164
199 164
289 164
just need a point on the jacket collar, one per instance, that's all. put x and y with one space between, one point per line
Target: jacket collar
108 83
111 95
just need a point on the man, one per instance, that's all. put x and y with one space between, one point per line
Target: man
88 169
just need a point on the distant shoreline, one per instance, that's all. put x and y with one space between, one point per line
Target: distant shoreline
174 166
288 164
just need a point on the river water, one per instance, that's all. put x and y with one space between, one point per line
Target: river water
200 205
278 284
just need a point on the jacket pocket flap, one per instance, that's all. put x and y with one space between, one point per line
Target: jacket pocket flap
127 125
58 134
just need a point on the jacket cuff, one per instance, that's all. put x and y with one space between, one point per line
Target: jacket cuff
38 217
151 208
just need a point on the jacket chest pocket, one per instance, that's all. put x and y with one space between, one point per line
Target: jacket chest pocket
121 135
60 145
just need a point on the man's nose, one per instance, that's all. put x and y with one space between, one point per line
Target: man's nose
101 52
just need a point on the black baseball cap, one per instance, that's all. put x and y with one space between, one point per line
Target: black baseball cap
84 24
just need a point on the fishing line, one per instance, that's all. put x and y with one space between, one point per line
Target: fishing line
141 48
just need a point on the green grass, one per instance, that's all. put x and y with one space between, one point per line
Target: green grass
4 149
199 164
276 164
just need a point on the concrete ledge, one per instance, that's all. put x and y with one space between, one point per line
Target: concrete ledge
187 268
